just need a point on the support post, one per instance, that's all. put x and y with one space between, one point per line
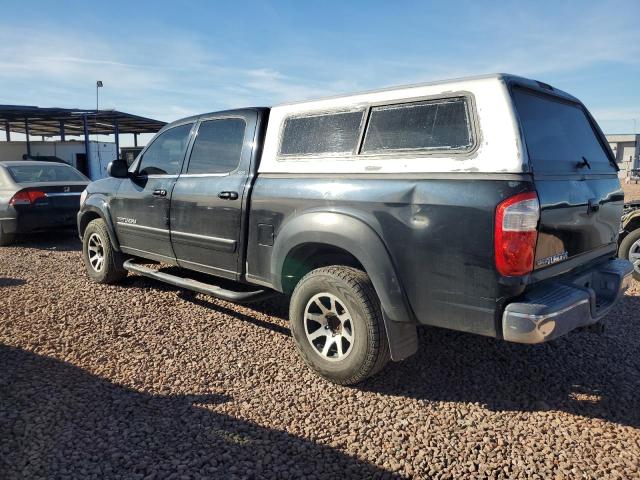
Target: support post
26 131
117 135
135 139
85 128
7 131
62 136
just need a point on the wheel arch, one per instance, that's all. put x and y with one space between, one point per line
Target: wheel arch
629 225
97 207
333 233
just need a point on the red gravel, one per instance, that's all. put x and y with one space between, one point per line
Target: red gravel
141 381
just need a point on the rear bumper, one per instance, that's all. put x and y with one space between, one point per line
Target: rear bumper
25 222
558 307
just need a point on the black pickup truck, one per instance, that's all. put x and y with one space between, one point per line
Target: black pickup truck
489 205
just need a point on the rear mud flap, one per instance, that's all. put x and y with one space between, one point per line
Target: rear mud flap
402 338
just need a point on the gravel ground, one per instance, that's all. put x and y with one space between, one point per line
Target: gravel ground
143 381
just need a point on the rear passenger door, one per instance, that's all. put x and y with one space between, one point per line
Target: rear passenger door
208 201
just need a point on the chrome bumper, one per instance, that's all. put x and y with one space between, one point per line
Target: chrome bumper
555 309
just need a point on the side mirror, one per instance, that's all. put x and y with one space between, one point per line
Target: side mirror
118 169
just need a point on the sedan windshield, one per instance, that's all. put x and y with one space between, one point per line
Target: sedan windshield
45 173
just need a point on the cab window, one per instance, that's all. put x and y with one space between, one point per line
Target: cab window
165 155
217 147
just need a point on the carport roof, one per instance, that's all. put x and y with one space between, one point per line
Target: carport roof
48 121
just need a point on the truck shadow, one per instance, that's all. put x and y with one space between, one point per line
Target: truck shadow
276 307
11 282
57 420
584 374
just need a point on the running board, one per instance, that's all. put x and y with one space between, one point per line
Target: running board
200 287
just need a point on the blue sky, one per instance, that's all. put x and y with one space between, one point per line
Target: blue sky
169 59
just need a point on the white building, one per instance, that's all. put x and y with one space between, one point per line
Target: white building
626 148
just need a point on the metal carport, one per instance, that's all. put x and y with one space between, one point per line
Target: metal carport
48 122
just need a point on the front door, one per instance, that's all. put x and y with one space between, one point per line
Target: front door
207 201
140 210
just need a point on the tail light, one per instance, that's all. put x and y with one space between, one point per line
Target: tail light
516 234
27 197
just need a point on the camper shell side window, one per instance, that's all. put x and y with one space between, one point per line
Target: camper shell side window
411 127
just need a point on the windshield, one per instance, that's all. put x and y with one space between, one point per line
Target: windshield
558 134
45 173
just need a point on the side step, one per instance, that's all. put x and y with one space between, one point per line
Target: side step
200 287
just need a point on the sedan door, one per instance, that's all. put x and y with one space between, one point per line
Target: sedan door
140 210
208 199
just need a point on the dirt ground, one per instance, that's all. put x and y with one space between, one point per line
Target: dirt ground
631 191
142 381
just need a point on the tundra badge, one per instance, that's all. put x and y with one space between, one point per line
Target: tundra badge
558 257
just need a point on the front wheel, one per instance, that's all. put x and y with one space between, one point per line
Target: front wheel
630 250
337 324
103 263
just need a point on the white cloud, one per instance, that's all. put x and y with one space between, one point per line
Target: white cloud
177 74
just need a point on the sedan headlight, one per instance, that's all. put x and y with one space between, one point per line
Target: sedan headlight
83 197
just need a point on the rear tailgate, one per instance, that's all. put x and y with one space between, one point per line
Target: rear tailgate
575 177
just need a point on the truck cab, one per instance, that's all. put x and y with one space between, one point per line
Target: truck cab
489 205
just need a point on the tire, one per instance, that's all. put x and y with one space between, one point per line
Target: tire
351 323
96 244
629 247
6 238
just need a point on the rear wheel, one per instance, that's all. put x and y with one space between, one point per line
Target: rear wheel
103 263
6 238
337 324
630 250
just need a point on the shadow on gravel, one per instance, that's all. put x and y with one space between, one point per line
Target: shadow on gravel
11 282
265 307
275 307
56 420
583 374
58 240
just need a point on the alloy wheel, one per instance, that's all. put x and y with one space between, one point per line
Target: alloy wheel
329 327
95 249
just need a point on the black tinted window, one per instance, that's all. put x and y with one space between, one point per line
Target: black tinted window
557 134
432 125
46 172
218 146
329 133
165 154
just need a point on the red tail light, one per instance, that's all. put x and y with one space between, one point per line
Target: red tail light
516 234
27 197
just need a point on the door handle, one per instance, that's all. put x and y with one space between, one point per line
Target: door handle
228 195
160 193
